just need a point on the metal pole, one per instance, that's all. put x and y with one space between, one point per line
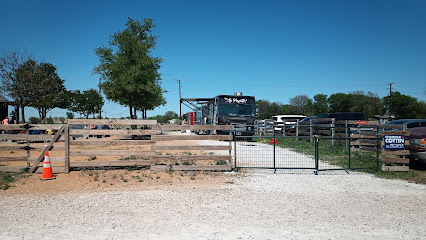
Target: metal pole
378 150
273 143
180 100
316 155
349 159
346 135
235 147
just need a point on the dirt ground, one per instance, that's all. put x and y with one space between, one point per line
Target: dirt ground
112 180
89 180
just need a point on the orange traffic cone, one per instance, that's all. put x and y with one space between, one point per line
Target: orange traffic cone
47 168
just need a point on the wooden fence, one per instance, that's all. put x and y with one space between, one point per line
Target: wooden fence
130 143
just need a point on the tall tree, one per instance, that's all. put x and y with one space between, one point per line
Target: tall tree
128 70
340 102
263 106
16 72
319 105
300 101
48 91
404 106
367 103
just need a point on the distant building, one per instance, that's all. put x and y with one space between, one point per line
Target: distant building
4 103
173 121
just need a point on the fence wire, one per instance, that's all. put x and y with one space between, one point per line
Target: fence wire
318 153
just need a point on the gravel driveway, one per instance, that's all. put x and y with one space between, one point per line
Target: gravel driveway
253 206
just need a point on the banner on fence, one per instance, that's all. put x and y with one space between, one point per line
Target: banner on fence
394 142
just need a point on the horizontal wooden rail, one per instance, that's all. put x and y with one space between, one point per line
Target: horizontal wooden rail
12 159
20 148
201 167
33 126
25 137
112 132
195 147
22 168
404 133
226 167
395 160
395 153
111 142
113 163
52 159
191 137
111 153
191 157
193 127
111 122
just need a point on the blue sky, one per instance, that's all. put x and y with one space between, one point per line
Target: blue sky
272 50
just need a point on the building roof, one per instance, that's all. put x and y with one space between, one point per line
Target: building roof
4 100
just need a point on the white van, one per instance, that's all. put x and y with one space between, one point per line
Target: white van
280 120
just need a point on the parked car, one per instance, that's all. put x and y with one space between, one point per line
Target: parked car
409 123
417 145
78 136
265 126
341 116
306 121
281 120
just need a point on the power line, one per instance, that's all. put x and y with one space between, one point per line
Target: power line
317 86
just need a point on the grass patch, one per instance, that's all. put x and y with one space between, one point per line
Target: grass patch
7 178
221 162
336 155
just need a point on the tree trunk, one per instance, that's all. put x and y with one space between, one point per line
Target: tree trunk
131 111
134 113
23 113
17 113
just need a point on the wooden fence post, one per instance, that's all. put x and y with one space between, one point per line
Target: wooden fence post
67 148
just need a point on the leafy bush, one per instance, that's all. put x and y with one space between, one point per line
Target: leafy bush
6 179
49 120
35 120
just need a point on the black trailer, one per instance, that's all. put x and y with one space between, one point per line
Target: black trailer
236 110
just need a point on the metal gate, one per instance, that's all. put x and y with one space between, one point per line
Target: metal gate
313 153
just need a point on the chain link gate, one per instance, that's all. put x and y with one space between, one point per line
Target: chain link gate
315 153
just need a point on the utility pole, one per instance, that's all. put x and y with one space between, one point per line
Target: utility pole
100 107
390 100
180 100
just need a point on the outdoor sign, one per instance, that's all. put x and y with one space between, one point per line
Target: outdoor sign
361 122
394 142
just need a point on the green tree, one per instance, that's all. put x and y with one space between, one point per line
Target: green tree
70 115
404 106
367 103
128 70
263 106
340 102
86 102
319 105
48 90
17 69
169 115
